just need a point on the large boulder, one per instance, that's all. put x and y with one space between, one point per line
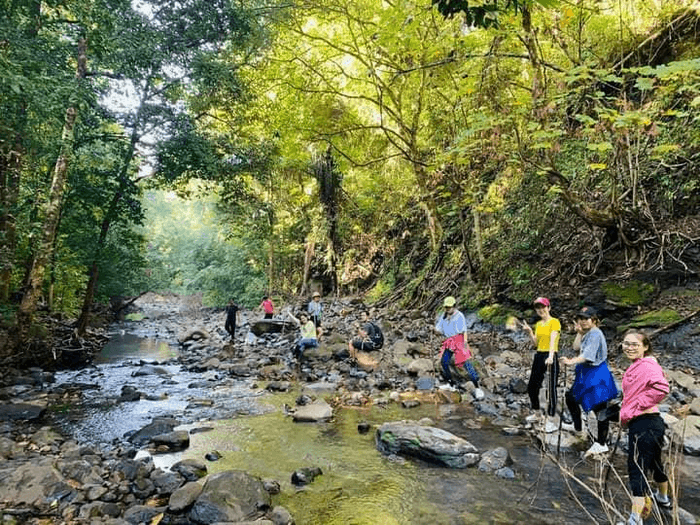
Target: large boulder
688 430
427 443
230 496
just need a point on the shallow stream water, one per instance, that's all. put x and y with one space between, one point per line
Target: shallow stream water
359 485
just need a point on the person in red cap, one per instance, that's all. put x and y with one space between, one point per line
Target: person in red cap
545 337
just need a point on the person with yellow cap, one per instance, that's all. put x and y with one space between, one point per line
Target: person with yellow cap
455 347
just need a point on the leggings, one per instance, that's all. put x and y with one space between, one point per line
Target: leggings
539 369
646 438
446 363
575 410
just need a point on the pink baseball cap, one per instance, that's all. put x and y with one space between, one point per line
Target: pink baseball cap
541 300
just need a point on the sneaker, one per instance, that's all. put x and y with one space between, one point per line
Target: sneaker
635 519
596 449
568 426
664 504
533 418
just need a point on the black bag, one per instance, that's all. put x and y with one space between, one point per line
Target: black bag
376 336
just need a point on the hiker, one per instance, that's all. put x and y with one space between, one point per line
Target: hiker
267 307
643 388
545 337
455 349
315 309
309 338
593 385
232 316
369 336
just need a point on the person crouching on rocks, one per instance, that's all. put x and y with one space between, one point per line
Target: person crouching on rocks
369 336
594 385
643 388
308 337
455 349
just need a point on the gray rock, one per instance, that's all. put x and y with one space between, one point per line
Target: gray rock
176 440
281 516
185 496
494 459
156 427
22 411
231 495
428 443
141 514
190 469
317 411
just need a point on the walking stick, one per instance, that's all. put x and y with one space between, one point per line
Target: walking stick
561 416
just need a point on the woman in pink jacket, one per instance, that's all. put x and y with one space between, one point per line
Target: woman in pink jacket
643 388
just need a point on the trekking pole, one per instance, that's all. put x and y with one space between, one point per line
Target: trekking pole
561 416
608 466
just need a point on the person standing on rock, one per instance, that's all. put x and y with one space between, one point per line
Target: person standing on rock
267 307
309 338
315 311
643 388
545 337
231 319
593 385
455 349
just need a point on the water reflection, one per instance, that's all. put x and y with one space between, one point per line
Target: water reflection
123 346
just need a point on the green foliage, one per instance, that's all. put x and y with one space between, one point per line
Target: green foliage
187 253
496 314
632 293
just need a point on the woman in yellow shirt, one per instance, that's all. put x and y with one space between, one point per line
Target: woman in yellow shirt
545 336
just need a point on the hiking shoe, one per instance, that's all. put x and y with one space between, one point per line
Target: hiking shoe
596 450
664 504
635 519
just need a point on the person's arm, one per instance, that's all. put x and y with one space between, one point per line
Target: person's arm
291 316
527 328
553 338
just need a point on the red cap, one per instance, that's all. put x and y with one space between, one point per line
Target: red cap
541 300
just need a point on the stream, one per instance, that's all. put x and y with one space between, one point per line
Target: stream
247 426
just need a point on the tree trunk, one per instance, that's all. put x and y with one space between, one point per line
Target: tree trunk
29 302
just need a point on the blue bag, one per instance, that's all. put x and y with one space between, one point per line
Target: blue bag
593 385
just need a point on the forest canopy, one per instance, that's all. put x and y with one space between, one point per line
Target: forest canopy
402 150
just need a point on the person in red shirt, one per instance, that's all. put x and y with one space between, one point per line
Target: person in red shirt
267 307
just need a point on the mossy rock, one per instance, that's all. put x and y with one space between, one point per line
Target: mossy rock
631 293
135 317
496 314
655 318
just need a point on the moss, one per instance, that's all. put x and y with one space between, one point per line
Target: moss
495 313
632 293
663 317
135 317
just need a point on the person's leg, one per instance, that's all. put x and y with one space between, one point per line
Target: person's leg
469 367
635 469
536 377
445 365
574 409
603 426
553 381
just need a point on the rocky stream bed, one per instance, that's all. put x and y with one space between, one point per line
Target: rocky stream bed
176 424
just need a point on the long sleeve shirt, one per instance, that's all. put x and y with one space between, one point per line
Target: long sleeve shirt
643 388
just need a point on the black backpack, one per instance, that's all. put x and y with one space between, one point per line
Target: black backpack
376 336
